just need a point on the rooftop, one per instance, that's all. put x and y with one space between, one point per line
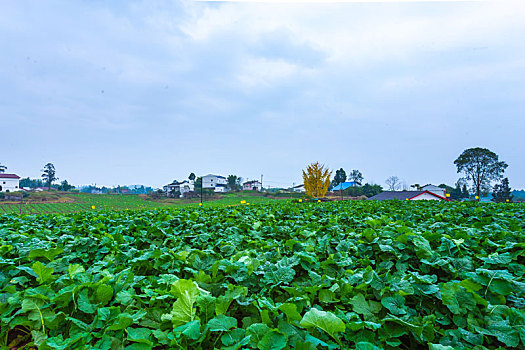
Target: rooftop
9 176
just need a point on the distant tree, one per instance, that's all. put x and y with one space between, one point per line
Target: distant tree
502 192
464 192
316 180
31 183
481 166
65 186
198 183
370 190
340 177
49 175
416 187
3 168
192 176
394 183
454 192
356 176
233 182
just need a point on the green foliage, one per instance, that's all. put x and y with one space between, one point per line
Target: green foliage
481 166
335 275
339 177
502 192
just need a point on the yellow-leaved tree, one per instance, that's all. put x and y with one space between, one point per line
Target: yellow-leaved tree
316 180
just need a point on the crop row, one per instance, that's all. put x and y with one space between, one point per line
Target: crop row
365 275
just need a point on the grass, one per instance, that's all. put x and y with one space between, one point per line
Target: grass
73 203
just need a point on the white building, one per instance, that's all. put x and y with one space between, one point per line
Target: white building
9 182
435 189
254 185
217 182
182 187
298 188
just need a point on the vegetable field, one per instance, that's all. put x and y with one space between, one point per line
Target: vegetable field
85 202
339 275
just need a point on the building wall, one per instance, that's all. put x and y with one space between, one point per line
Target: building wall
426 196
10 185
211 181
250 186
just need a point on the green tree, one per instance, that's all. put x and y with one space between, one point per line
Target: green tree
65 186
233 182
356 176
192 176
3 168
340 177
464 192
198 183
481 166
49 175
501 192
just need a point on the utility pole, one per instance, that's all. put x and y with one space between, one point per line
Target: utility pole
202 185
341 190
261 183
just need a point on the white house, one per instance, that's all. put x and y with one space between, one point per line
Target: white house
254 185
434 189
182 187
408 195
217 182
9 182
298 188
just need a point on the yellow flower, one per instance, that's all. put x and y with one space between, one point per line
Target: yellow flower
200 204
448 194
300 200
507 200
92 207
477 197
319 200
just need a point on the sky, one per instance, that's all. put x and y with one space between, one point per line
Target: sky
146 92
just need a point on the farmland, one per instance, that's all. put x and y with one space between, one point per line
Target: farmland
360 274
72 203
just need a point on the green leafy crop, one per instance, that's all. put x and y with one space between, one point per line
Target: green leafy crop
340 275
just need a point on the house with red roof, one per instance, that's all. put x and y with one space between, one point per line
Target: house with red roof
9 182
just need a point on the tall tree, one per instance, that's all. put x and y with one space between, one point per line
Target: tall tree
340 177
198 183
232 182
49 175
481 166
316 180
356 176
3 168
394 183
501 192
192 176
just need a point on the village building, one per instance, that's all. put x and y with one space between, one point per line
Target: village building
9 182
408 195
216 182
298 188
254 185
180 187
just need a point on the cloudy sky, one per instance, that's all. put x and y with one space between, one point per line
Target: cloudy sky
145 92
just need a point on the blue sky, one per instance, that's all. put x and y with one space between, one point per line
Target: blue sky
145 92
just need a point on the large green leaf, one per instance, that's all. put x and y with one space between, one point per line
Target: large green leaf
186 292
324 320
44 273
49 254
456 298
